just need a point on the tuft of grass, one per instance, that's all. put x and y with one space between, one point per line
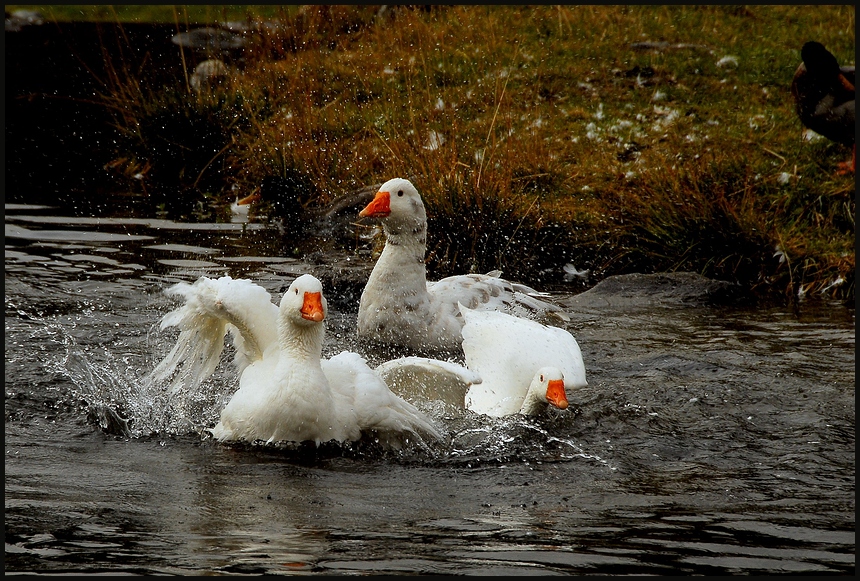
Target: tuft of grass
180 141
618 138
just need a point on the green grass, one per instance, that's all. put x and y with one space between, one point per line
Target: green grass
563 142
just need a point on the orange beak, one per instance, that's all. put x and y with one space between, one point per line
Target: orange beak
555 394
252 197
312 308
379 207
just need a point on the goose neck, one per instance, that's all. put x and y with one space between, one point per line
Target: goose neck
410 233
406 240
532 405
302 342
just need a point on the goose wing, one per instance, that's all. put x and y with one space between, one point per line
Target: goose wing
491 292
374 404
426 379
213 307
506 351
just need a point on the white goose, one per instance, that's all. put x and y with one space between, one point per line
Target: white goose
400 307
286 391
240 209
514 366
524 365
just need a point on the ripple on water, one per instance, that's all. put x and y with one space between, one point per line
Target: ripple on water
710 440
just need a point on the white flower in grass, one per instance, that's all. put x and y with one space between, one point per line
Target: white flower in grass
756 121
728 61
801 292
434 141
839 280
811 136
780 253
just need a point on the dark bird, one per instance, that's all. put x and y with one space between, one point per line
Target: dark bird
824 98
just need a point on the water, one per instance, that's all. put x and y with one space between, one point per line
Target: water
710 440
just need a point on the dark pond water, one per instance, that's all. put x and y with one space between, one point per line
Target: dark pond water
711 440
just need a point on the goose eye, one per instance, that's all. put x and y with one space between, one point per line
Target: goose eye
399 193
541 377
297 291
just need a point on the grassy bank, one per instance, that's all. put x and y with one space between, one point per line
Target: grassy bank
616 138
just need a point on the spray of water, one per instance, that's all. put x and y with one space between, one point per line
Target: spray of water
122 399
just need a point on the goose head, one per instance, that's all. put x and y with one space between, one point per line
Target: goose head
303 303
824 98
819 62
546 388
241 206
398 204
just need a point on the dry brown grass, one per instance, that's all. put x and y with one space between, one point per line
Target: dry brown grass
543 135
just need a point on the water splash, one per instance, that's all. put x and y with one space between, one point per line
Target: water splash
483 439
123 402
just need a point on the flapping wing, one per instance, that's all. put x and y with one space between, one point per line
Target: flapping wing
211 308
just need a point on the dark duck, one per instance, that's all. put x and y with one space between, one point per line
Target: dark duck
824 98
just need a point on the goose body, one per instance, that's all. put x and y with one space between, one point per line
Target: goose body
524 365
287 392
823 95
400 307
